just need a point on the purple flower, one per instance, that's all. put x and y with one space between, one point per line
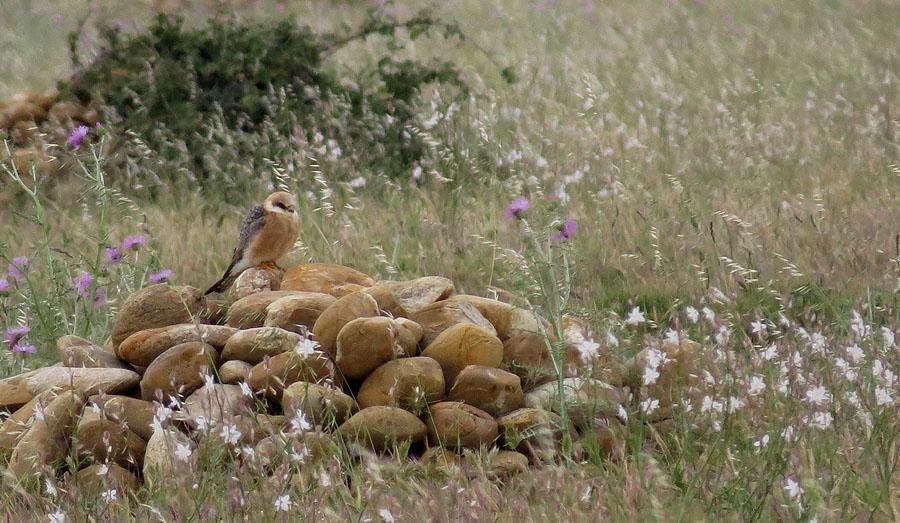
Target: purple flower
279 7
4 285
18 268
99 298
568 229
82 284
13 334
133 242
78 135
517 207
113 255
163 275
24 348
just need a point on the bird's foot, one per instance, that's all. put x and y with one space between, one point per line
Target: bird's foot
270 265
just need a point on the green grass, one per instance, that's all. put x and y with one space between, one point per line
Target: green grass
741 156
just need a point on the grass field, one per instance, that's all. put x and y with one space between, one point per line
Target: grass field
739 158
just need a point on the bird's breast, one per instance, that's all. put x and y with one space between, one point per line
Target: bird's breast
275 238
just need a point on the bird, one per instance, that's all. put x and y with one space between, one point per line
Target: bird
268 232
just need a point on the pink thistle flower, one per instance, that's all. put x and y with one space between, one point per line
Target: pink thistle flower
82 284
134 242
517 207
24 348
99 298
113 255
4 285
161 276
14 334
78 135
18 268
568 229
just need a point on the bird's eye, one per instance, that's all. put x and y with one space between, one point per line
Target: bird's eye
280 206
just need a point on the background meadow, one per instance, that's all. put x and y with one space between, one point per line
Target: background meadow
733 169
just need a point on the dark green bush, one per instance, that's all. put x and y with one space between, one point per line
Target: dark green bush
254 87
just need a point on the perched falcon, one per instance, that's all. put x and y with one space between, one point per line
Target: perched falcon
268 232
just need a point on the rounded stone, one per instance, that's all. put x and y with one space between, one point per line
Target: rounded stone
402 298
507 463
142 353
586 400
456 425
464 344
409 383
214 404
364 344
272 376
179 371
492 390
250 311
133 413
101 440
88 381
158 305
322 405
95 479
322 277
46 443
382 428
534 432
160 459
440 316
255 280
234 371
17 424
340 313
78 352
255 345
298 311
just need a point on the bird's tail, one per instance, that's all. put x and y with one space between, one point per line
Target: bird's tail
223 284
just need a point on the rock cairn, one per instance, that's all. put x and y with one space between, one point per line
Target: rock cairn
319 355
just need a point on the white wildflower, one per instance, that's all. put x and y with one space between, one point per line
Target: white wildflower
587 349
306 347
57 517
635 317
788 434
820 420
324 479
761 442
110 495
756 385
855 353
283 503
208 379
649 405
818 395
709 315
359 181
183 452
883 396
758 327
623 414
611 339
691 314
769 352
887 335
245 389
103 470
50 488
300 422
858 325
650 375
230 434
385 515
792 488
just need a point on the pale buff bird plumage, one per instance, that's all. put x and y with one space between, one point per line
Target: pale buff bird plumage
268 233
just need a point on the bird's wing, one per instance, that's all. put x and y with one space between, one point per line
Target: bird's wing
254 221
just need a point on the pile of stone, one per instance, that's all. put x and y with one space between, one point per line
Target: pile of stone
315 355
32 120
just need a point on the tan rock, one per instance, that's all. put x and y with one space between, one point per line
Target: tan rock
215 312
464 344
250 311
234 371
95 479
255 280
455 425
495 391
17 424
298 311
442 459
383 427
255 428
402 298
161 460
409 383
364 344
142 354
505 464
255 345
322 277
603 442
526 355
440 316
274 374
340 313
325 406
79 352
14 390
307 448
158 305
88 381
586 400
410 334
135 414
23 110
214 404
179 371
534 432
46 444
101 440
679 372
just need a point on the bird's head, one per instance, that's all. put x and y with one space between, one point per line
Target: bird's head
281 203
